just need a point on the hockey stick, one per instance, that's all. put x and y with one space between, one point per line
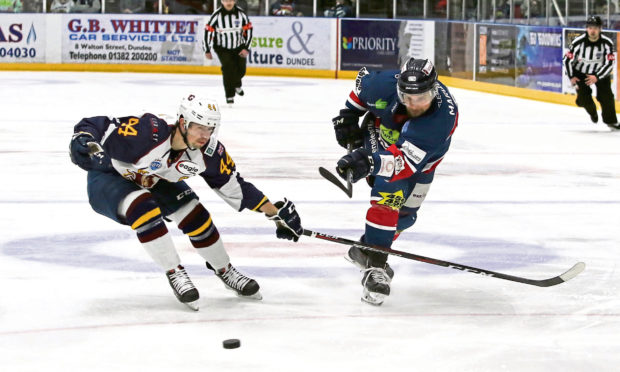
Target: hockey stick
334 179
568 275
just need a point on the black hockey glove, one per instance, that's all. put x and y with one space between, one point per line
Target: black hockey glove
87 153
359 162
348 130
288 223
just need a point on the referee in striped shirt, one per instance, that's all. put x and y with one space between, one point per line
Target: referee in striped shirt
230 31
589 61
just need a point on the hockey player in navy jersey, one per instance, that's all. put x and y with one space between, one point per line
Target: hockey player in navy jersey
409 120
136 171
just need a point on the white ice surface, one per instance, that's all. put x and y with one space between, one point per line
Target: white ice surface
528 189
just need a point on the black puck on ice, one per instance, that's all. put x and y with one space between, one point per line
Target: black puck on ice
233 343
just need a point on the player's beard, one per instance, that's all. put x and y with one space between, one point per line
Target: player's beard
417 111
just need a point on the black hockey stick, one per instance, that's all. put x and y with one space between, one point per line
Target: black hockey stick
568 275
334 179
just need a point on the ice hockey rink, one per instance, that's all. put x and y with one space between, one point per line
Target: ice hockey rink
528 189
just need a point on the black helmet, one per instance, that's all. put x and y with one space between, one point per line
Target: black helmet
417 76
594 21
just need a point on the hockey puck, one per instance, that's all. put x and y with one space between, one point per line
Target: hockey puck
233 343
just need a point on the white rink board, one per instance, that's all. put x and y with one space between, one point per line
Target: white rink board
132 39
23 38
293 42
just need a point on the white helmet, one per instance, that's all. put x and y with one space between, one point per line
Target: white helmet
199 110
203 111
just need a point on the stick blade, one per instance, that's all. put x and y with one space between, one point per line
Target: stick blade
568 275
334 179
573 271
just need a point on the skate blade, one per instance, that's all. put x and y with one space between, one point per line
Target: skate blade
192 305
375 299
256 296
355 263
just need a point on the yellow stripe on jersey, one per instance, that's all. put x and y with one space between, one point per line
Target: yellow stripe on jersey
201 228
260 204
145 217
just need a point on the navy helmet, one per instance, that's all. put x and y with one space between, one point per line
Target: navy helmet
417 76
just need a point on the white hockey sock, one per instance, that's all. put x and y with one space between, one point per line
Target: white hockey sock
162 251
215 255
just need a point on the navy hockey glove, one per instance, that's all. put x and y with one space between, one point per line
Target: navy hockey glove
87 153
288 223
348 131
359 162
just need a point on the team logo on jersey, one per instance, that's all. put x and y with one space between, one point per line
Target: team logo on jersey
141 177
394 200
127 129
155 164
187 167
389 136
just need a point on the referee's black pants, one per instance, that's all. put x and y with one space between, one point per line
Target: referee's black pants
233 68
604 96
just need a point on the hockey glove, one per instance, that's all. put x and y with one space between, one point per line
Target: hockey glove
288 223
359 162
348 131
87 153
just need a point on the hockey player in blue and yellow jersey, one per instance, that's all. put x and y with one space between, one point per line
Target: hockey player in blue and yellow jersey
136 170
409 120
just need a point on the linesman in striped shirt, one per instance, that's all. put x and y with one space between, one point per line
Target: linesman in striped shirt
589 61
230 32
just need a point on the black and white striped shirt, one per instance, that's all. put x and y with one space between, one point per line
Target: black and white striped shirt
590 58
228 29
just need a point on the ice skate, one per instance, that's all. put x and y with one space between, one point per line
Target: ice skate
376 284
614 126
235 281
183 287
239 91
360 259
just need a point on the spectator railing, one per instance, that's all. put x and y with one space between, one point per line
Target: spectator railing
528 12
